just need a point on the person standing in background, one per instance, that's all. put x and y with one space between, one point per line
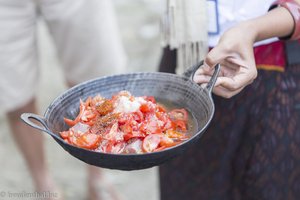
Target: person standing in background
251 148
88 44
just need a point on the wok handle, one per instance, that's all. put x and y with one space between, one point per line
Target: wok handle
28 117
210 85
190 72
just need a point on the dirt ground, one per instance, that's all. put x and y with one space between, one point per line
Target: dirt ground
139 25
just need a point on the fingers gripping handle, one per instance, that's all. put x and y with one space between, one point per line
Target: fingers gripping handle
192 70
213 79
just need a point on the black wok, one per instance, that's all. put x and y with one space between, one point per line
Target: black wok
180 90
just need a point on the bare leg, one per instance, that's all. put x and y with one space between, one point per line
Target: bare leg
30 143
98 187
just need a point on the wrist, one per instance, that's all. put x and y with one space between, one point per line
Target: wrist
250 29
293 7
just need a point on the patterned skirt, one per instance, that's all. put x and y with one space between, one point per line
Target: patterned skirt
251 150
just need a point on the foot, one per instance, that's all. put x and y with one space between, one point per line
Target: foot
47 190
102 190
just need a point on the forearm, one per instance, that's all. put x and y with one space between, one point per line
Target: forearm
276 23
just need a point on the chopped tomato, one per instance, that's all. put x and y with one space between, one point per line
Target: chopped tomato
124 118
150 98
88 141
175 134
160 108
88 115
166 141
142 126
163 117
151 127
159 148
105 146
81 111
151 142
126 128
138 116
133 134
134 146
88 101
181 125
114 135
145 108
70 122
118 147
64 134
179 114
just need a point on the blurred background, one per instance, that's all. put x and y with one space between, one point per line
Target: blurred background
139 26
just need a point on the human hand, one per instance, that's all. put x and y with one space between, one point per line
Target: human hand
234 52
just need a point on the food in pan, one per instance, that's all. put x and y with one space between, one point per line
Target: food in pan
126 124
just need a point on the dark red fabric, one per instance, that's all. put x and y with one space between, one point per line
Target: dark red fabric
272 54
